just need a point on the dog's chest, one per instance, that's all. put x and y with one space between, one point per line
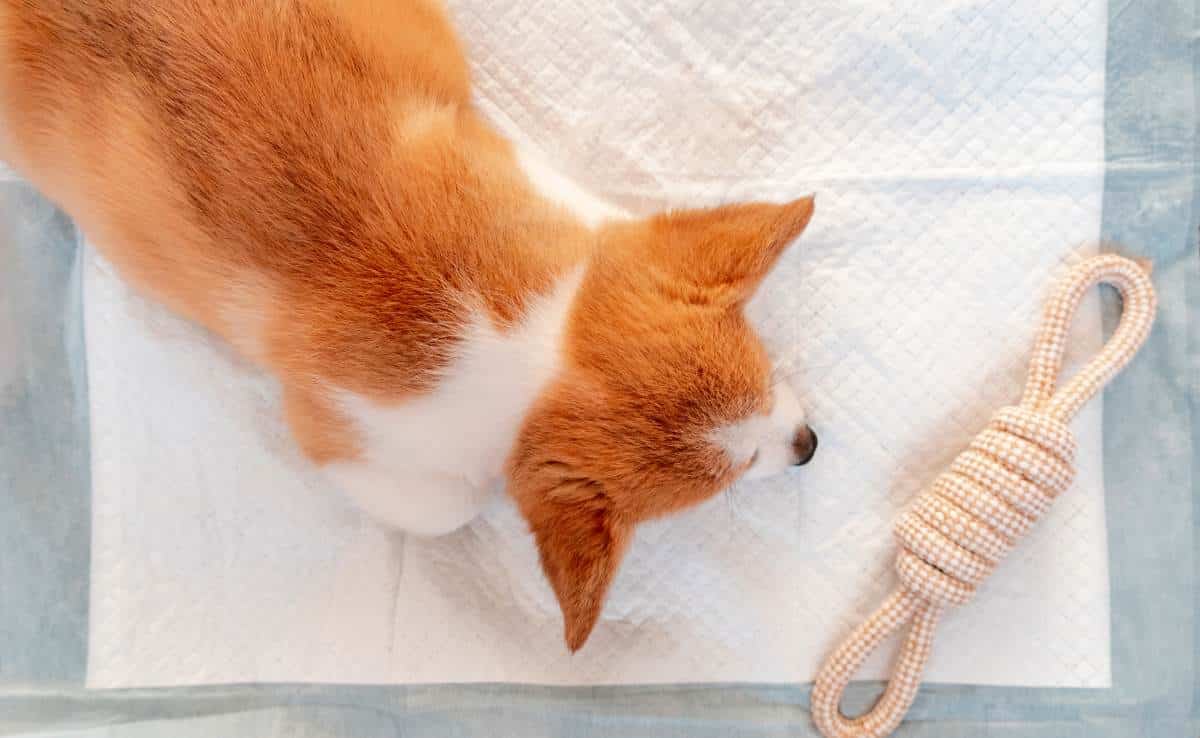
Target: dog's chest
466 426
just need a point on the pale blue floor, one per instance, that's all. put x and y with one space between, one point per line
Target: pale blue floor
1151 432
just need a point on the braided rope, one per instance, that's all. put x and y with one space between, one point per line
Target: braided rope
958 530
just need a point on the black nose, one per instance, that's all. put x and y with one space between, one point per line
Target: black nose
805 445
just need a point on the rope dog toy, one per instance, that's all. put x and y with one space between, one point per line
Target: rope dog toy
956 532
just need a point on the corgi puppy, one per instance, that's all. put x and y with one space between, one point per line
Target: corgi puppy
310 181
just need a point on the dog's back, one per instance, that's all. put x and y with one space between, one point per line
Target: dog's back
232 158
233 102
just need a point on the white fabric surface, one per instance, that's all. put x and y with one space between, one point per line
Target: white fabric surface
956 148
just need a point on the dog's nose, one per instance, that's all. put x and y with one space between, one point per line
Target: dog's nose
805 445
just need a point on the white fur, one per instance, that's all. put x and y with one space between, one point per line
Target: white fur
432 463
769 436
589 209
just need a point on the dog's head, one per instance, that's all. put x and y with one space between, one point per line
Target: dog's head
666 396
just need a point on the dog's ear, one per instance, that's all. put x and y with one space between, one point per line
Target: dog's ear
728 250
581 541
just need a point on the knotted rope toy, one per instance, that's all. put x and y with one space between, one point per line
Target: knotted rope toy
958 530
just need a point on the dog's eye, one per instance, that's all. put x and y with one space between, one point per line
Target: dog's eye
753 459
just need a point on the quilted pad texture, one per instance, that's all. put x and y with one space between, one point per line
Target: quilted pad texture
956 150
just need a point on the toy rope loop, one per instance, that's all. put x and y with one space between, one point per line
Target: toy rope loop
959 529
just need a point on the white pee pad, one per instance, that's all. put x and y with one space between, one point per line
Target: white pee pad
956 148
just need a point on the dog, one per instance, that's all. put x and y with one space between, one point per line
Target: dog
309 180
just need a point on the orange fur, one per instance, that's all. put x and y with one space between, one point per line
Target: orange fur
308 179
